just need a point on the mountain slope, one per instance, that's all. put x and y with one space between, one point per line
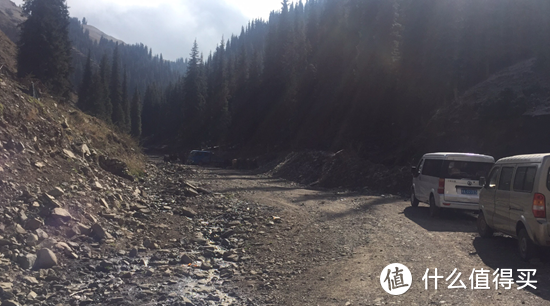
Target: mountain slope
12 15
507 114
96 34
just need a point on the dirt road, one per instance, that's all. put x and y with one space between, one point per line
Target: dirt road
332 247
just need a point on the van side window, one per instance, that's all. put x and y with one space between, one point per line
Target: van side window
525 179
505 178
493 179
432 167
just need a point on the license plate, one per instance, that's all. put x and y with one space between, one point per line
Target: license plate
469 191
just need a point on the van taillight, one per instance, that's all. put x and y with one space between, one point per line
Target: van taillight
441 189
539 206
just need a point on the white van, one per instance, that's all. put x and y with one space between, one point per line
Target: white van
514 201
449 180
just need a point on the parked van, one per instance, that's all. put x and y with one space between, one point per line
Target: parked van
513 201
449 180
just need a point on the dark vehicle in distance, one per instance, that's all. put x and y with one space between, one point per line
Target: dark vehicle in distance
208 158
197 157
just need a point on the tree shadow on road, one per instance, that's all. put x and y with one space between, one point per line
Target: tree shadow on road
500 252
360 209
448 220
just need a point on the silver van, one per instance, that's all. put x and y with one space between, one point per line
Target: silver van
513 201
449 180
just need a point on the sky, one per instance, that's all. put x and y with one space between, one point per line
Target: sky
171 26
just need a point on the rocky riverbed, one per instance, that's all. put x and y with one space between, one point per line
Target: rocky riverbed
101 239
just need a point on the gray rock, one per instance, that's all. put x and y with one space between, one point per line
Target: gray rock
20 230
6 287
32 240
26 261
41 234
69 154
148 243
99 232
190 192
39 165
186 259
33 224
49 201
116 167
187 302
84 229
10 303
97 186
30 280
133 252
61 214
45 259
71 232
83 150
56 192
188 212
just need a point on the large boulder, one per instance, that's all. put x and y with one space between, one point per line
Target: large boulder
26 261
115 166
61 216
45 259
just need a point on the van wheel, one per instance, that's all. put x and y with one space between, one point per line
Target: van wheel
484 230
527 248
434 210
414 200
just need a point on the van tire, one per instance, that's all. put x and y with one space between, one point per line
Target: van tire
484 230
414 200
434 210
527 249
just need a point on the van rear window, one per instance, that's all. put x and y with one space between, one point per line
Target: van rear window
465 169
432 167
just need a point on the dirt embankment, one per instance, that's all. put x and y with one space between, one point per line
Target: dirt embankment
342 170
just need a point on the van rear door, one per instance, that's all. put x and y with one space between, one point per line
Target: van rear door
462 180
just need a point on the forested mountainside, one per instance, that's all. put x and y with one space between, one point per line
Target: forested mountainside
372 76
362 74
138 60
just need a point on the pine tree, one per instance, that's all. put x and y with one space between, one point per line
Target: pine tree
126 104
151 111
97 102
103 90
136 115
85 102
118 116
44 48
194 97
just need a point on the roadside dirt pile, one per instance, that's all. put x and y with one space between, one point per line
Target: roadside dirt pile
342 170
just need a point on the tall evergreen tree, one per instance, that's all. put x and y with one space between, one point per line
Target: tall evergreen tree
126 104
136 115
194 97
85 102
44 48
151 121
115 91
103 89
